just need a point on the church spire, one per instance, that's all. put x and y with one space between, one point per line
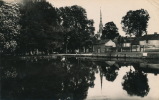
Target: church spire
100 16
100 26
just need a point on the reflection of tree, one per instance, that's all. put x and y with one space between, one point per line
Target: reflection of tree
45 80
109 71
80 77
136 83
112 73
33 81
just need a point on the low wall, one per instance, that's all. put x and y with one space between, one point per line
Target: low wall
138 55
118 55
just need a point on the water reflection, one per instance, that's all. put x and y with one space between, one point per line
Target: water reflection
110 71
70 79
46 80
136 83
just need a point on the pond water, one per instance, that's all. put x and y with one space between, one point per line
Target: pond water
79 79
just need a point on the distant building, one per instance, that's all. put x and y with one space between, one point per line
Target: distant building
99 33
103 46
146 43
135 46
149 42
127 43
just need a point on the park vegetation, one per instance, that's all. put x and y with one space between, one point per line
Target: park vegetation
110 31
40 28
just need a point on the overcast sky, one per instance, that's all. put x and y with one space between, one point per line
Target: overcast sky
114 10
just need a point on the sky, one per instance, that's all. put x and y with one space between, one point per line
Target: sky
114 10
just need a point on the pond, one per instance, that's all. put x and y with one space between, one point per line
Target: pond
79 78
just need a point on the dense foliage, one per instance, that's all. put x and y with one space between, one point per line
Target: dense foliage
9 26
135 22
37 27
75 20
110 31
40 30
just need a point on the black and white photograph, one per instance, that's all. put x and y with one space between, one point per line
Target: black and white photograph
79 49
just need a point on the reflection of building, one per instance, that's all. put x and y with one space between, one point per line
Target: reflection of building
149 68
101 77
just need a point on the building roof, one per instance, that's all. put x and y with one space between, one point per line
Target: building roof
145 37
98 42
128 39
150 37
135 41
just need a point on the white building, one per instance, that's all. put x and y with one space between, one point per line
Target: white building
149 42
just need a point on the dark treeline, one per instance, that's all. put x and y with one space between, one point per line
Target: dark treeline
37 27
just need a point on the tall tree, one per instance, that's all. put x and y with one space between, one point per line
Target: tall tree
135 22
40 29
75 20
110 31
9 25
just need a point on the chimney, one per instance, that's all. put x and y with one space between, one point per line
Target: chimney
155 33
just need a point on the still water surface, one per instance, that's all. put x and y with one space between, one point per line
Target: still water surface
79 79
